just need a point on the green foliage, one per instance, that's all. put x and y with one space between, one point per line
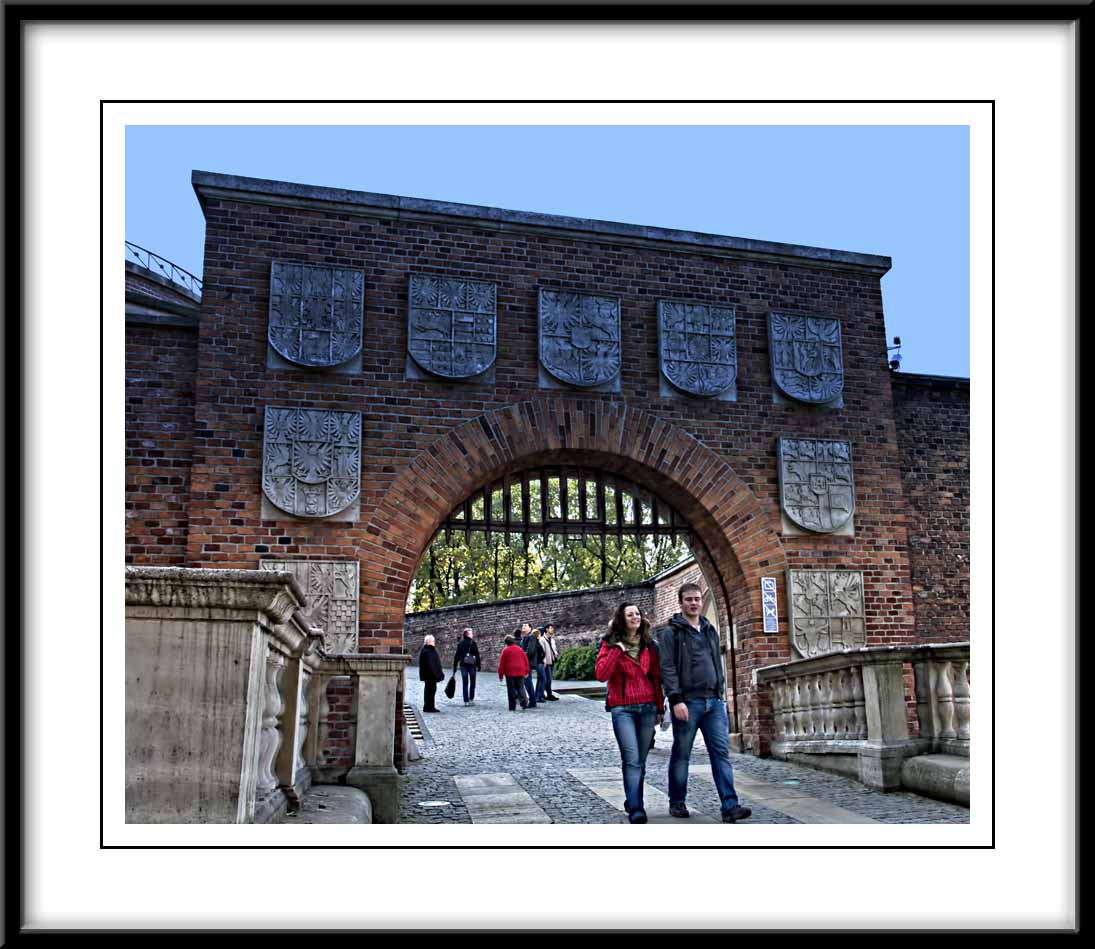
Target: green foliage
577 663
479 570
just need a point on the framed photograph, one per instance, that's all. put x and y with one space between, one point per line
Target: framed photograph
671 118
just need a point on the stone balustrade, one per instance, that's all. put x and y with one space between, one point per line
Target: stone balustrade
226 690
845 711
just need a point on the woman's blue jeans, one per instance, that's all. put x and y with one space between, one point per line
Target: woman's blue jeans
633 726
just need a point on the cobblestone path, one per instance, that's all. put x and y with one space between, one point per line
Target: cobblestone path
529 757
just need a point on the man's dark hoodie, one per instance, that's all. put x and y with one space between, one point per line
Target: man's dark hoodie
691 665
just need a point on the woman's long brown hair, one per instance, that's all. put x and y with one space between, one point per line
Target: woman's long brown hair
618 627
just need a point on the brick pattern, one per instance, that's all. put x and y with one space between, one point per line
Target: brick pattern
933 428
427 444
159 393
580 618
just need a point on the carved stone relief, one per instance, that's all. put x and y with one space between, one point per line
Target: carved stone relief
697 347
580 337
815 483
807 361
827 612
332 587
316 313
311 460
451 325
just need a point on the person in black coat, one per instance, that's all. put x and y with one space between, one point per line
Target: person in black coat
430 672
467 661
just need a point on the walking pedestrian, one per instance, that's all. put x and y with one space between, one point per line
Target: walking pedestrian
551 653
694 679
628 662
467 661
430 672
513 667
534 653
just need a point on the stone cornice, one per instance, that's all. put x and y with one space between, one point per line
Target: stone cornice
867 656
378 664
336 200
274 594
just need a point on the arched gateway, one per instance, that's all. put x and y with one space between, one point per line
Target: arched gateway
363 364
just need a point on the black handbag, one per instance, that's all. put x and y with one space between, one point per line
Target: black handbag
450 689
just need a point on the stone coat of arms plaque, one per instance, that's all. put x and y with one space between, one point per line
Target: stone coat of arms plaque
827 612
815 483
316 313
332 588
697 347
451 325
807 360
580 337
311 460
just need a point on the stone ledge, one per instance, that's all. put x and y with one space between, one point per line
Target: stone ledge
275 594
263 191
861 656
944 777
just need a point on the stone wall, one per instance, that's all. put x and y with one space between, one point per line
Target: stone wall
933 431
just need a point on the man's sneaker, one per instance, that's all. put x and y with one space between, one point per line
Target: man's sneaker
735 814
678 810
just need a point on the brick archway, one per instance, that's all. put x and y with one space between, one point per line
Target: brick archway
738 543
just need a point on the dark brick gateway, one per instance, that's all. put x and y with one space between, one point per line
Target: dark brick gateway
196 401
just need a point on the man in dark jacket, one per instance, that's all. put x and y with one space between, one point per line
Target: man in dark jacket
467 661
530 642
430 672
695 681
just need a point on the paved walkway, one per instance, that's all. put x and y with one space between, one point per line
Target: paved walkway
558 763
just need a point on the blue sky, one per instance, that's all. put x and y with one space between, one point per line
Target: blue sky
900 191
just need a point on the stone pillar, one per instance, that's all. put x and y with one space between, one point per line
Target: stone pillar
888 743
196 660
376 693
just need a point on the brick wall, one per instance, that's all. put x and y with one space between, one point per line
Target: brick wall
580 617
933 431
666 602
161 362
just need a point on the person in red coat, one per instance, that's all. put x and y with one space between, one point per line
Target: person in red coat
628 662
513 667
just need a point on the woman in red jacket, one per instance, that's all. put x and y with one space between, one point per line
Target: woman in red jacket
513 666
628 662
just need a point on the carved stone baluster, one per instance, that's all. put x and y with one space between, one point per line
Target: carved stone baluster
840 704
812 702
787 692
798 728
859 705
828 729
943 692
305 720
270 735
777 709
925 713
962 699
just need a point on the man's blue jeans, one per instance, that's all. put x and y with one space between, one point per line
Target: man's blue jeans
547 679
467 672
535 689
709 717
633 726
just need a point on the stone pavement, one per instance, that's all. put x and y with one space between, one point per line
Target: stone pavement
558 763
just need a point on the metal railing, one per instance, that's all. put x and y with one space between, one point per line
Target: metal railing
156 263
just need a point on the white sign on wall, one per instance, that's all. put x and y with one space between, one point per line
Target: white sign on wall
768 602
